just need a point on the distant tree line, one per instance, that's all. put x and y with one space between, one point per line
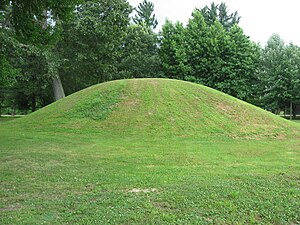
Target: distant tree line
53 49
279 76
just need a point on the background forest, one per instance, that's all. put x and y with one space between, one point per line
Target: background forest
49 50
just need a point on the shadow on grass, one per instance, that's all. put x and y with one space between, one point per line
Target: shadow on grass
8 118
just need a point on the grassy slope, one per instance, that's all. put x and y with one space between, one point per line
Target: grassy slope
157 107
201 174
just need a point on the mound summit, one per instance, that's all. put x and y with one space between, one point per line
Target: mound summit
158 107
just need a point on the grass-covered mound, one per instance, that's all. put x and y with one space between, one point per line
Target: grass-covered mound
158 107
149 151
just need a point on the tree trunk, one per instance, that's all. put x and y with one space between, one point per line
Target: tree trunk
13 111
1 101
294 112
291 110
58 89
45 14
33 103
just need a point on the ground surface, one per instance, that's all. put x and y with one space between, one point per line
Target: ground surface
118 155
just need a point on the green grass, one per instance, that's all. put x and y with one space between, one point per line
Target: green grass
8 118
154 152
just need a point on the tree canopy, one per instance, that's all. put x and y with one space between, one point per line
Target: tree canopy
280 74
145 15
92 42
209 54
220 12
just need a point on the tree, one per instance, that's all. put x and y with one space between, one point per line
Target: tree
139 54
30 20
211 55
24 71
207 48
7 79
92 43
292 68
172 51
273 77
196 38
145 15
220 13
29 17
280 75
241 65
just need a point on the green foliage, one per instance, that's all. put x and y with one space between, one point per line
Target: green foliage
8 76
145 15
292 67
92 42
205 49
279 74
172 50
29 18
241 65
32 81
27 70
271 73
211 55
139 54
8 73
30 31
221 14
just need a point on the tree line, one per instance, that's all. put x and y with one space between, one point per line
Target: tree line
49 50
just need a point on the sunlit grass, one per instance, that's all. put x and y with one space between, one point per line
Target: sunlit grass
142 168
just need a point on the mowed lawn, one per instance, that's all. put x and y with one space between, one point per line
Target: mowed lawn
149 151
60 178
